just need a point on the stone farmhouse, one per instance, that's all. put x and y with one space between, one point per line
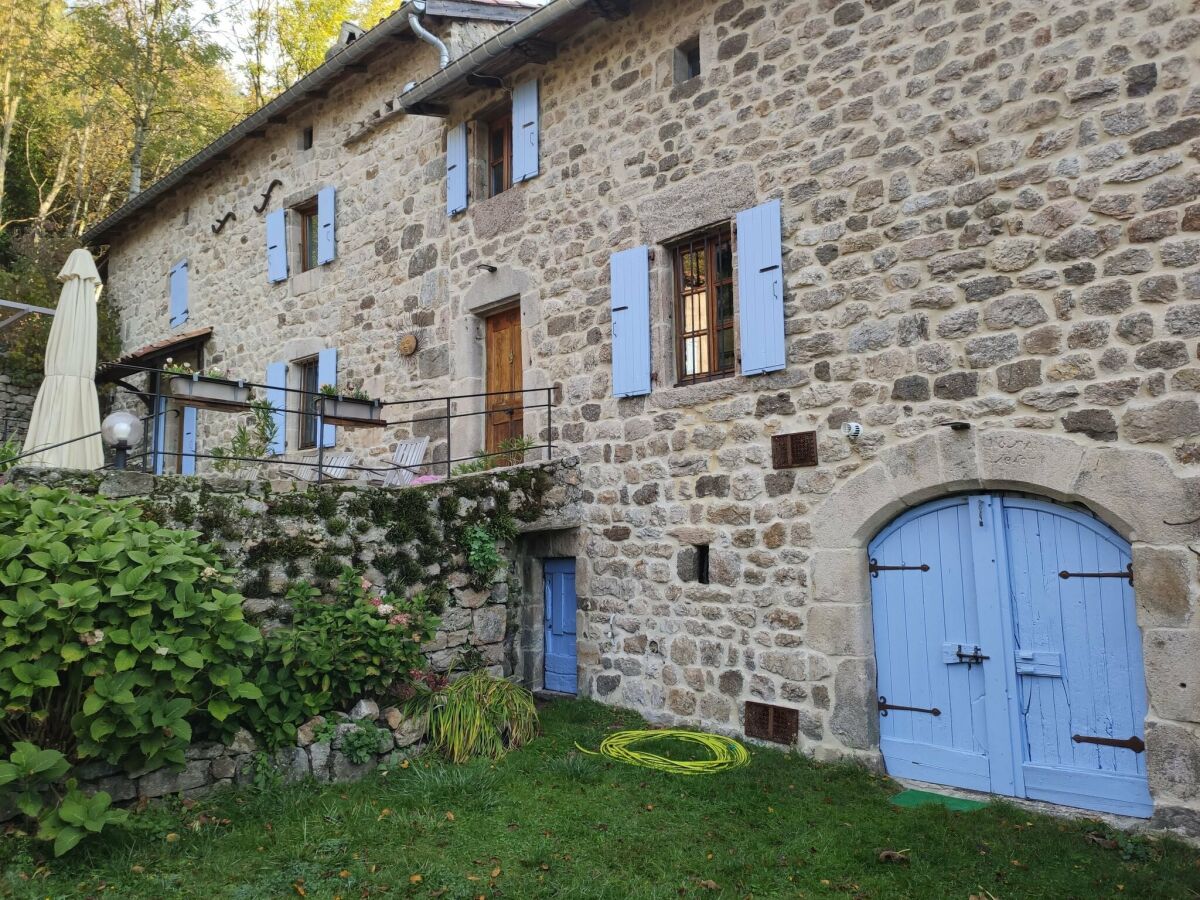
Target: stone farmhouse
872 324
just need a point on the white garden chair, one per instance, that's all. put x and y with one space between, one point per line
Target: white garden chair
404 463
333 467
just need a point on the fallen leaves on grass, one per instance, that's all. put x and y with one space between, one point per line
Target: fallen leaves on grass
415 879
1095 837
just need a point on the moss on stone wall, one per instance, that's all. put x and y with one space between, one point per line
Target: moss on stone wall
410 540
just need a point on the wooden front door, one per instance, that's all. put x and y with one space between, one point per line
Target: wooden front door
506 418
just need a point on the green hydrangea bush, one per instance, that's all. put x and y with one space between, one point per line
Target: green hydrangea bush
121 639
358 643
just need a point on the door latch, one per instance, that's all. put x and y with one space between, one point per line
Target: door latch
972 657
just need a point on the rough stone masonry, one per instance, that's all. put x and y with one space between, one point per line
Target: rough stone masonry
991 214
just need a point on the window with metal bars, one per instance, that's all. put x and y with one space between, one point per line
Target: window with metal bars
308 381
704 307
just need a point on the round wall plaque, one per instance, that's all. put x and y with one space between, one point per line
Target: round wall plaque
408 345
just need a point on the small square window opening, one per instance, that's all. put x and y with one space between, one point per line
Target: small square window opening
687 60
307 381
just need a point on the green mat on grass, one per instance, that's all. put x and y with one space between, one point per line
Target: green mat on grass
911 799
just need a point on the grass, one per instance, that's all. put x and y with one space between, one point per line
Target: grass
549 822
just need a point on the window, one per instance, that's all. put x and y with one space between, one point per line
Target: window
309 228
306 138
499 155
702 563
704 307
687 60
308 381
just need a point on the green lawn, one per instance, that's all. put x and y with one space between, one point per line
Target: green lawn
546 822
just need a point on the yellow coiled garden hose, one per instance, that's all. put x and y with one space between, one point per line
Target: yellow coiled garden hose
726 752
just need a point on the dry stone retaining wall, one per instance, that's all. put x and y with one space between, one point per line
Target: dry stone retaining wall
320 529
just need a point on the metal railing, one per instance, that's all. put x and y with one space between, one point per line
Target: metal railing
496 405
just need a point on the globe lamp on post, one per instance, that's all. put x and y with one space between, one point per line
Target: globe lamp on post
121 430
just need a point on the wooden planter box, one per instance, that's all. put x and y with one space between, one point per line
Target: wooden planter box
350 413
210 393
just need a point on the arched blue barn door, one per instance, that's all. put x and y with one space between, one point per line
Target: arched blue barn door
1005 633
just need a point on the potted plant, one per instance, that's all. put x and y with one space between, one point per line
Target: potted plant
209 390
352 408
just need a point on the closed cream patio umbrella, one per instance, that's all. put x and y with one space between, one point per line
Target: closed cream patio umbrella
67 406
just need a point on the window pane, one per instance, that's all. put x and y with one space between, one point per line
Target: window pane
310 240
308 403
724 262
725 349
724 304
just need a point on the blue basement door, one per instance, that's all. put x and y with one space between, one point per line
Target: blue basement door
559 577
1009 657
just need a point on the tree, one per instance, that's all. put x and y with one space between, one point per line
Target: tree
22 23
158 63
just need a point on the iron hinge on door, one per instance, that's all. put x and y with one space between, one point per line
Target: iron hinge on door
1128 573
875 568
884 706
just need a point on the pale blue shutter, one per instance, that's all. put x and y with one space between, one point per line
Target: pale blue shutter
187 462
456 169
327 374
179 293
277 397
277 266
760 289
525 131
326 236
630 276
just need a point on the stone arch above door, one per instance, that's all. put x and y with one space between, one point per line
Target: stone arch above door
1136 492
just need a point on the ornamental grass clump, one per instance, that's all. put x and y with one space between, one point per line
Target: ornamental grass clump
121 639
476 715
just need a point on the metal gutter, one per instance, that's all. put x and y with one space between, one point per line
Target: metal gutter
470 63
312 83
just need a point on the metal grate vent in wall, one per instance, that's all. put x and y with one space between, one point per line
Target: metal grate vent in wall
771 723
789 451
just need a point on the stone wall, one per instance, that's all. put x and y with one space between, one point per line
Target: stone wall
991 214
277 532
16 404
315 755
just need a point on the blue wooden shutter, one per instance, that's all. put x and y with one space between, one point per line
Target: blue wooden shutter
277 266
327 374
277 397
456 169
179 293
525 125
326 232
187 462
630 276
760 289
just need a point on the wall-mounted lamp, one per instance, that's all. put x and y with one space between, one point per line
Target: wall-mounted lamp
485 267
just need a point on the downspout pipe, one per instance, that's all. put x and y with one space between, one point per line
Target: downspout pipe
414 22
